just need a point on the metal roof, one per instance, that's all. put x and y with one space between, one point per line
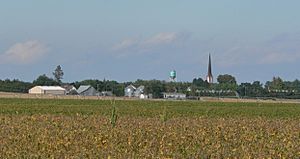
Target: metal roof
141 87
83 88
131 86
51 88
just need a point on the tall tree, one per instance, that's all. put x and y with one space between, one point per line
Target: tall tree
58 74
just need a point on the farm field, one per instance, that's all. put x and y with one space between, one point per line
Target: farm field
70 128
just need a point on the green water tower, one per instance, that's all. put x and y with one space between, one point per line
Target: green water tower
173 75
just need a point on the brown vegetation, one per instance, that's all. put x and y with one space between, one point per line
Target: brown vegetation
48 136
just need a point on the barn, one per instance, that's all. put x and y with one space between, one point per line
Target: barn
87 90
54 90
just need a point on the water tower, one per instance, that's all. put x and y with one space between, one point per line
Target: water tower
173 76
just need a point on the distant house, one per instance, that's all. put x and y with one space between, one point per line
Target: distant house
132 91
139 91
87 90
129 91
54 90
70 89
174 96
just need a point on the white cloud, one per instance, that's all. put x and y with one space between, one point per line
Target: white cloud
279 57
24 53
281 49
142 45
160 39
226 52
125 44
284 48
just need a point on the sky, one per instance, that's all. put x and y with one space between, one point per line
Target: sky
138 39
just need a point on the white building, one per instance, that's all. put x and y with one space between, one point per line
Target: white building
54 90
129 91
174 96
132 91
70 89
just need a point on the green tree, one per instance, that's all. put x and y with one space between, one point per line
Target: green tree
228 79
58 74
105 85
43 80
276 84
200 83
14 86
251 90
226 82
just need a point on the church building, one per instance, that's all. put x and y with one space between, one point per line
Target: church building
209 77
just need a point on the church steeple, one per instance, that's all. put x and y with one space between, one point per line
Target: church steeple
209 77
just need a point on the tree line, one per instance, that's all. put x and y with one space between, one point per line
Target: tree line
226 86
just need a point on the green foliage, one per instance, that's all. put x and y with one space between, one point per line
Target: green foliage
276 88
137 108
43 80
105 85
251 90
14 86
200 83
226 82
58 74
226 79
156 87
114 116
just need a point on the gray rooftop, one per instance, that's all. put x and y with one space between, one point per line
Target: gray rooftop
83 88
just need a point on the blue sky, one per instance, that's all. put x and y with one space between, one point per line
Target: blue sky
137 39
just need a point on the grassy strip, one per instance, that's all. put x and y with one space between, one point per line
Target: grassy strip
138 108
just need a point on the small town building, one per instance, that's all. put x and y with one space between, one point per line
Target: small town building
139 91
132 91
70 89
174 96
87 90
54 90
129 91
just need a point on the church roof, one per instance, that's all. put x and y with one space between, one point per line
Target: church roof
209 67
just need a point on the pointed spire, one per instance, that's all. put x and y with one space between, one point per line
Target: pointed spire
209 76
209 66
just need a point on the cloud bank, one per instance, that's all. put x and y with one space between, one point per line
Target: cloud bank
280 49
24 53
283 48
131 46
226 52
